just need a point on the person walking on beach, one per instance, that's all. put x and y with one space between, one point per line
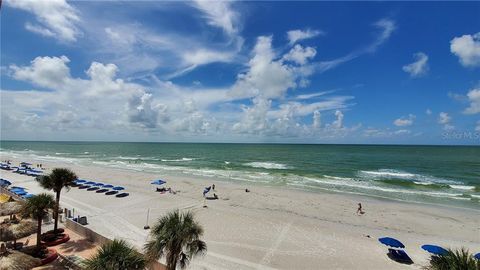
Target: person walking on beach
360 210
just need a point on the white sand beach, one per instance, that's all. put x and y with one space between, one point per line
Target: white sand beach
269 227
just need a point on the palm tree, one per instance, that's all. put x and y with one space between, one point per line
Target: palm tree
37 207
454 260
177 236
117 254
58 179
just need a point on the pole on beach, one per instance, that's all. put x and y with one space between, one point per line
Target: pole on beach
146 227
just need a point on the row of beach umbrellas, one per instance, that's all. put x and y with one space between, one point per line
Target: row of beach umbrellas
433 249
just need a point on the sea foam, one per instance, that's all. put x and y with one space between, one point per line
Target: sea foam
267 165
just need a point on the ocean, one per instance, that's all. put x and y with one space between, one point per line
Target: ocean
433 174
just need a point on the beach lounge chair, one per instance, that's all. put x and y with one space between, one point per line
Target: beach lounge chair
399 256
102 190
113 192
84 187
92 188
121 195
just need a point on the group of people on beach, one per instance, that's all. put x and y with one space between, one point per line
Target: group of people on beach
207 190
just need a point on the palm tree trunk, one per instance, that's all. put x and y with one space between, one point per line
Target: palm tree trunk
55 215
39 233
172 262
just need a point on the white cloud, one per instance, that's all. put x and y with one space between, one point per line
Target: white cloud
297 35
219 14
338 123
102 103
428 112
101 100
50 72
419 67
55 18
266 76
477 128
386 133
314 95
404 121
386 27
300 55
445 119
467 48
474 99
317 121
137 49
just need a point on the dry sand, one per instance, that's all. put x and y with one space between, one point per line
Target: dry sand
269 227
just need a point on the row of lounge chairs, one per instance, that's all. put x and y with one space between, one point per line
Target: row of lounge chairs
23 168
106 189
19 191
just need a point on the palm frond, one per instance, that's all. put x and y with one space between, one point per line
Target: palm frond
177 237
460 259
117 254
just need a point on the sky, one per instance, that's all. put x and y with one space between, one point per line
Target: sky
260 72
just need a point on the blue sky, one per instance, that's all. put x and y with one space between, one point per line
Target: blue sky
301 72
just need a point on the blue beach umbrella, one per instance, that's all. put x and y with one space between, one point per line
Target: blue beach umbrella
90 183
4 182
477 256
434 249
392 242
118 188
79 181
28 195
158 182
98 184
107 186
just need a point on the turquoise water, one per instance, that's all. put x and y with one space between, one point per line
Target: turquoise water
434 174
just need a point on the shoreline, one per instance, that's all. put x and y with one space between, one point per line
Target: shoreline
180 172
307 227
